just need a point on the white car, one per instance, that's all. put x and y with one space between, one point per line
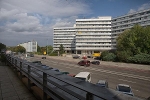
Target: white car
126 89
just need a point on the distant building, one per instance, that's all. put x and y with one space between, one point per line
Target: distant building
66 37
119 24
99 34
93 35
30 46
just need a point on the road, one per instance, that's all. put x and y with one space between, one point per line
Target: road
138 79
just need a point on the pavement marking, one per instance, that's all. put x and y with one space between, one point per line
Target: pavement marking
106 71
126 80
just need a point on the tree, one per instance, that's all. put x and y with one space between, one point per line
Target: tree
20 49
61 49
133 41
2 46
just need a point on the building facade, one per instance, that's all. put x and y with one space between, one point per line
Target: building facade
119 24
97 35
66 37
30 46
93 35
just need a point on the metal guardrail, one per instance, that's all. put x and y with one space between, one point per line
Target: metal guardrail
62 87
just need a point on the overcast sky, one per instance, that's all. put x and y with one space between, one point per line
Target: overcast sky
26 20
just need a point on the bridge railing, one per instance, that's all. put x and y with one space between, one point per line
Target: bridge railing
62 87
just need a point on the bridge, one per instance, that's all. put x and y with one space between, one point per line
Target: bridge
58 86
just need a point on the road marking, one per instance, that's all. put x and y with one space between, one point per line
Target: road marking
126 80
106 71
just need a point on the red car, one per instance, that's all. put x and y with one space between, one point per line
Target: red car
84 63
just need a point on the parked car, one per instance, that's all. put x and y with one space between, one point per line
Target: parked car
76 57
95 62
72 75
86 76
126 89
43 57
64 72
84 63
102 83
54 69
45 67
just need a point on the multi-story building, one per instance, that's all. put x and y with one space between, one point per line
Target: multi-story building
96 35
30 46
119 24
66 37
93 35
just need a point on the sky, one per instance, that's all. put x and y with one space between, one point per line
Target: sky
26 20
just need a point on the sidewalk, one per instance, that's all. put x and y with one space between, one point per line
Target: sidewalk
116 64
11 87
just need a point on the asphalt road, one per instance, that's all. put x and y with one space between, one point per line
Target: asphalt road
138 79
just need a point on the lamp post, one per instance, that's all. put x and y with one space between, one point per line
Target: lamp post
47 47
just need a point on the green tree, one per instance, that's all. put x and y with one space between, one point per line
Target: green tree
2 46
61 49
133 41
20 49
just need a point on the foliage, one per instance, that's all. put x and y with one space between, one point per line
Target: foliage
109 57
2 46
133 42
20 49
17 49
140 59
2 58
61 49
103 54
55 53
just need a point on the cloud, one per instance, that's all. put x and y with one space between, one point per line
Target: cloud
142 7
36 19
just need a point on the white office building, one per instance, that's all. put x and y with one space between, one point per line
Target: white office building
30 46
93 35
66 37
99 34
119 24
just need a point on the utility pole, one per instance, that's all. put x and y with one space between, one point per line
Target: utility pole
47 47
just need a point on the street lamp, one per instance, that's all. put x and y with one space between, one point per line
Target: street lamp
47 47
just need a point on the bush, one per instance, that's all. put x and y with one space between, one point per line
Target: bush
140 59
103 54
123 56
53 54
2 58
109 57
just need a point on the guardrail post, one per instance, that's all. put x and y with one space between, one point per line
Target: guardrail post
13 62
21 70
44 86
29 82
89 96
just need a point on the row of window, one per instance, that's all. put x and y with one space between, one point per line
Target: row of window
132 16
132 20
94 25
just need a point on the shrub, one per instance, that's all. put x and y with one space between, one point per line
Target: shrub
109 57
123 56
103 54
140 59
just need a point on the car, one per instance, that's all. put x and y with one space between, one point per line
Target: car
64 72
43 57
95 62
39 62
85 76
126 89
76 57
72 75
54 69
84 63
45 67
102 83
31 55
